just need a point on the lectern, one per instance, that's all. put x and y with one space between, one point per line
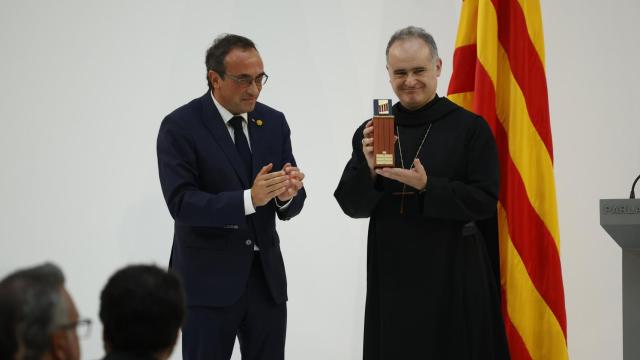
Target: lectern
621 219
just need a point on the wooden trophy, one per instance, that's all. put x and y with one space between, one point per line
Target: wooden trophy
383 133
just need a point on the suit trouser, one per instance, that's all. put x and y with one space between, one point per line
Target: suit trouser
259 323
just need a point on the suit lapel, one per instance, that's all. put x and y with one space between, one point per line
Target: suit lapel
258 146
213 121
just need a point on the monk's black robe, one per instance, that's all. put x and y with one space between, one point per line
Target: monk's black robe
432 281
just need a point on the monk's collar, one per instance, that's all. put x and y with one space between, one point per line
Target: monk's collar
420 116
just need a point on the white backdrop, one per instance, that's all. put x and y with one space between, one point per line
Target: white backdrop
85 84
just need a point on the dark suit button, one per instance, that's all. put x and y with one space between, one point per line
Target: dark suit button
248 242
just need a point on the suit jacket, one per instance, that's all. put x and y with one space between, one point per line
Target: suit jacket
203 180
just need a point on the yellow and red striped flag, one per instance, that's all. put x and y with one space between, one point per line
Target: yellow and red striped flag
499 73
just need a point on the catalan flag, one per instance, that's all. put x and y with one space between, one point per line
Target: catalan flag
499 73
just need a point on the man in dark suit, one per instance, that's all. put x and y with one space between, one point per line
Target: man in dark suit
227 169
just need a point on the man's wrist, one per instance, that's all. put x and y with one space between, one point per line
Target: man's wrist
282 205
249 206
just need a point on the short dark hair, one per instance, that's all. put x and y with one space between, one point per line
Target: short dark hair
219 50
31 306
142 308
414 32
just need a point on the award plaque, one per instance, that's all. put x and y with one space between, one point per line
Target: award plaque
383 133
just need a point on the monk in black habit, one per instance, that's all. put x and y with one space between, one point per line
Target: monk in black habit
432 277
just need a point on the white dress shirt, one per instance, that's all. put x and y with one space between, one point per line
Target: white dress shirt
226 116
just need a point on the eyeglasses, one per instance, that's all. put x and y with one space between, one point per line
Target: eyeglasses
246 80
81 326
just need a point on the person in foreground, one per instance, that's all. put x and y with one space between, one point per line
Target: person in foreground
227 170
141 308
432 290
38 318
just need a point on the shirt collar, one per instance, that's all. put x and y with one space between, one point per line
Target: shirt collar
224 113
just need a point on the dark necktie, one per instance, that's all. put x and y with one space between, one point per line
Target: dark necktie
242 145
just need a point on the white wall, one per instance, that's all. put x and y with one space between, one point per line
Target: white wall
593 75
85 84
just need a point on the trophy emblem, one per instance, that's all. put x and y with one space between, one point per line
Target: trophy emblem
383 133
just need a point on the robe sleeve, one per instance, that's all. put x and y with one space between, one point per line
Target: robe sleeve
357 193
475 197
